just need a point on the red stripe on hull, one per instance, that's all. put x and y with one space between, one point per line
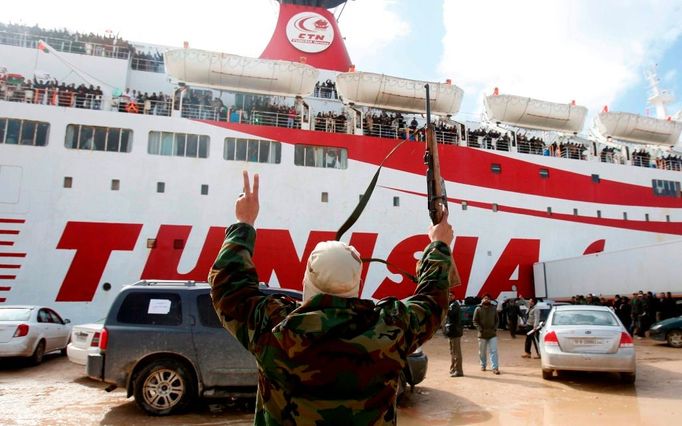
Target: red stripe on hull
634 225
12 220
471 166
7 277
2 300
5 288
12 254
10 266
8 232
6 243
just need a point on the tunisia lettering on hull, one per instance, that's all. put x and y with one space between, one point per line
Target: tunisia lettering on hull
275 254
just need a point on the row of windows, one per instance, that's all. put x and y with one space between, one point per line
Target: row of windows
252 150
178 144
23 132
95 138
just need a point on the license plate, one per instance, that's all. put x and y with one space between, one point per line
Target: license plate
588 341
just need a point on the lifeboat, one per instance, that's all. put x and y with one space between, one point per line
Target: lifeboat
236 73
629 127
535 114
398 94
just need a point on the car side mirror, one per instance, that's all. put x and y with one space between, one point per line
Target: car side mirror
67 321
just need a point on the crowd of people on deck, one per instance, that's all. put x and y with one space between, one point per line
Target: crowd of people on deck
641 158
64 40
147 61
669 162
326 89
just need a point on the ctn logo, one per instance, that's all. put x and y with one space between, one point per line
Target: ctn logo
310 32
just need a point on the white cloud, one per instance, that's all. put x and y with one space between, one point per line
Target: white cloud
369 26
560 50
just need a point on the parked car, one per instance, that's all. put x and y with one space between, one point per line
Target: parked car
163 342
31 332
669 330
586 338
84 341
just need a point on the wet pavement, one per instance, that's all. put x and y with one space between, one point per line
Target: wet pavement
57 392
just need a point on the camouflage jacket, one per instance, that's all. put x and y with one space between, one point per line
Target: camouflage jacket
330 360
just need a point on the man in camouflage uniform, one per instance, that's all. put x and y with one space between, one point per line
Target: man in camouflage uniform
335 359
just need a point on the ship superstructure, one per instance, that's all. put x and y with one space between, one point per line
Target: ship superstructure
98 190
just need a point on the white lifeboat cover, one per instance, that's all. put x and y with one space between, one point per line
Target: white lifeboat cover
239 73
534 113
398 94
629 127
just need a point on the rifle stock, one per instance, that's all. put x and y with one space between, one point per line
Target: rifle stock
437 197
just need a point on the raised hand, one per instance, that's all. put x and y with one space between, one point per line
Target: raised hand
246 207
442 231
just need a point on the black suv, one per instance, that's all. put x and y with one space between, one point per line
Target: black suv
163 341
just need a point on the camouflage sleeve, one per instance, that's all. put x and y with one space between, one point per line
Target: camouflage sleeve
241 307
428 306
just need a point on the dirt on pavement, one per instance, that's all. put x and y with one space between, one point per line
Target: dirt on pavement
57 392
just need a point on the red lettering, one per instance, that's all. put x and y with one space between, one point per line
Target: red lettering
93 243
403 257
595 247
463 253
521 253
164 258
275 254
319 37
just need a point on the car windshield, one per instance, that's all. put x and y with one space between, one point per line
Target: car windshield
583 318
15 314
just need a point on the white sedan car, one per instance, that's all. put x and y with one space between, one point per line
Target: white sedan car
586 338
84 340
32 331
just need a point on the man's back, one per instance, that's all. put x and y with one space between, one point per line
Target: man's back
332 359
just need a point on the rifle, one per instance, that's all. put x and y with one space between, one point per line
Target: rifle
436 197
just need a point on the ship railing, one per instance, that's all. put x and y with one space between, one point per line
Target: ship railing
330 125
64 45
572 153
495 144
669 164
326 93
149 65
204 112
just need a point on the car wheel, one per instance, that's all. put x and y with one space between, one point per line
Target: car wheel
164 387
674 338
38 354
547 374
628 378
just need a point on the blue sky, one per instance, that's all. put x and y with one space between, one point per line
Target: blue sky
558 50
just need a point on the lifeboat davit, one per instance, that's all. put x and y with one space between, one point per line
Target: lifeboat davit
398 94
236 73
629 127
535 114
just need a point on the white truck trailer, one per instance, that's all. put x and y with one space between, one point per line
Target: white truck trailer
656 268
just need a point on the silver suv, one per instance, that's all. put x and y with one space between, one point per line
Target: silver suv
164 343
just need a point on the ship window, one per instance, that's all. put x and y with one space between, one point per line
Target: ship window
115 184
666 188
325 197
544 173
599 214
495 207
204 189
646 217
496 168
23 132
667 218
95 138
625 215
68 181
465 205
321 156
596 178
396 201
575 212
160 187
252 150
178 144
549 210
